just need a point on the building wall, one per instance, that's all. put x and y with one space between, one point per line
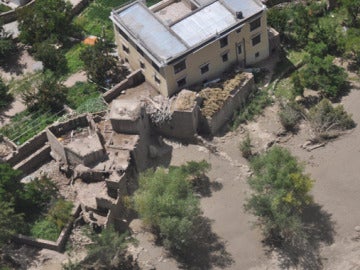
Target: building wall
210 54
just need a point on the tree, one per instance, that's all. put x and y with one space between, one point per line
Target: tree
46 93
353 45
166 202
7 45
353 10
10 221
5 97
280 194
100 66
51 57
45 20
321 74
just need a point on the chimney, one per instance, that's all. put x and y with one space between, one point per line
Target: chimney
239 15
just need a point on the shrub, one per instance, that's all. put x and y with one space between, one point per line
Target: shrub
327 120
45 229
280 193
60 213
245 147
289 114
166 202
51 57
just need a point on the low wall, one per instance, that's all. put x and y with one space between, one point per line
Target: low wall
183 125
79 7
56 146
11 15
35 161
28 148
61 128
60 243
235 101
132 80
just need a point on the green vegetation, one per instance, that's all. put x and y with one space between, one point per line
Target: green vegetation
92 105
7 45
290 115
45 94
105 252
101 67
50 225
167 204
327 120
5 96
51 57
54 17
80 93
245 147
280 194
72 56
257 101
4 8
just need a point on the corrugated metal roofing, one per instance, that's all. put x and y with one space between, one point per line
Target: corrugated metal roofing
203 24
152 33
247 7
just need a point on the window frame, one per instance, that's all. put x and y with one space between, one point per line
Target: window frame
206 66
125 48
179 66
255 24
224 41
225 57
255 42
181 84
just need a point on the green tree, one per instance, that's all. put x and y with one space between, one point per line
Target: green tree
280 193
166 202
321 74
353 45
10 221
353 10
52 58
100 66
46 93
5 96
45 20
7 45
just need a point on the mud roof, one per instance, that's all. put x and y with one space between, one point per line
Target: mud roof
164 41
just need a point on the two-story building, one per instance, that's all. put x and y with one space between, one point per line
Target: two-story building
179 43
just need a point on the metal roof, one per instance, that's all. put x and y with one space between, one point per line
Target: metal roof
247 7
203 24
165 43
151 32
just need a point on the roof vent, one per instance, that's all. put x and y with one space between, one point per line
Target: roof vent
239 15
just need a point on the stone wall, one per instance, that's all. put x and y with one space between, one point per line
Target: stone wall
60 243
234 102
61 128
28 148
132 80
35 161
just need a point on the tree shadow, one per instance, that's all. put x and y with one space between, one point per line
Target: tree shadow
318 229
17 256
204 187
12 63
206 251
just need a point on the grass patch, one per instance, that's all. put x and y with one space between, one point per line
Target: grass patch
92 105
295 57
285 89
81 92
4 8
25 125
73 58
254 106
17 86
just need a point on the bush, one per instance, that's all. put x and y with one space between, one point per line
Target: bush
289 114
245 147
280 193
166 202
51 57
45 229
327 120
5 96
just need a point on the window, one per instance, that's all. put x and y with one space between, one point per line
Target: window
125 48
257 55
225 57
204 68
126 60
255 24
157 80
256 40
181 82
223 42
142 64
139 51
179 66
239 49
238 30
155 66
121 32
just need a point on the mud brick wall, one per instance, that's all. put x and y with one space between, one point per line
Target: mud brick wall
36 160
56 146
235 102
132 80
59 129
28 148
